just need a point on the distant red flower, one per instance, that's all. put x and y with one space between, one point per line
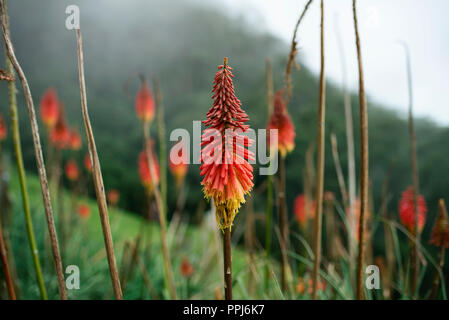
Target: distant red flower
49 108
306 285
303 209
145 103
280 120
113 197
440 231
3 130
75 140
407 210
224 156
60 134
178 163
186 268
144 169
83 211
87 163
71 170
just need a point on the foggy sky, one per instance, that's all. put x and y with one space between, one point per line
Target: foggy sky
422 24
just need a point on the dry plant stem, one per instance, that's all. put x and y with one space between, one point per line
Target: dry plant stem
320 164
162 143
340 178
96 174
292 55
283 224
227 263
269 216
414 266
364 165
169 279
5 266
39 160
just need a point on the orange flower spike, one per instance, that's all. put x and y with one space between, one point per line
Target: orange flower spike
280 120
144 169
178 163
113 197
145 103
87 163
3 130
407 210
60 134
71 170
303 210
49 108
440 231
224 156
75 140
83 211
186 268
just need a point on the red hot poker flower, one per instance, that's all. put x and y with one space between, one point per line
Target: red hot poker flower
178 162
75 140
113 197
60 134
440 231
224 156
304 209
83 211
145 103
407 210
280 120
49 108
186 268
3 131
71 170
87 163
144 169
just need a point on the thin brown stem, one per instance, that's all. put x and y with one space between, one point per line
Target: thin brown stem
269 86
96 174
364 182
38 152
227 263
283 224
292 55
5 266
169 278
320 164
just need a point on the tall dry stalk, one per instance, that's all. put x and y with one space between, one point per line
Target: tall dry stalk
269 213
168 271
13 62
162 142
364 182
320 164
350 151
292 55
5 266
414 265
283 224
96 174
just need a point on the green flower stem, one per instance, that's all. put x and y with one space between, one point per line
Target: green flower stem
22 180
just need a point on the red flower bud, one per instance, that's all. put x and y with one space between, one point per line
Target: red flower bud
145 103
49 108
